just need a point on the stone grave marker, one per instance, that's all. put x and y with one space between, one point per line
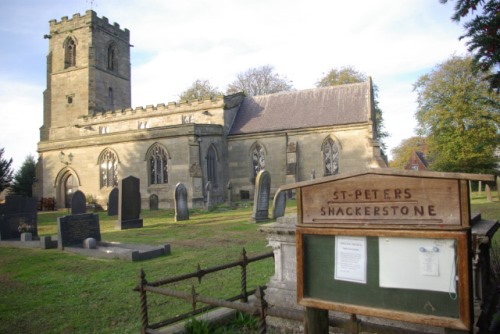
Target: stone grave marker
129 204
113 202
19 215
261 197
181 208
153 202
208 189
230 199
279 204
78 203
74 229
487 190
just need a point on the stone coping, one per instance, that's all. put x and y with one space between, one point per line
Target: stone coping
104 250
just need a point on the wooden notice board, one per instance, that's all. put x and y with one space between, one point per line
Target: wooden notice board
385 243
435 290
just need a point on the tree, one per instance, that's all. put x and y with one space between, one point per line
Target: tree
259 81
401 154
347 75
459 115
6 171
24 178
199 89
483 34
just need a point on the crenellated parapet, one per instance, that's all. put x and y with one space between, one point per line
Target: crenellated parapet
90 18
216 110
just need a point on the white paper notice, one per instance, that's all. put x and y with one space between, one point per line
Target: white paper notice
350 259
417 263
429 263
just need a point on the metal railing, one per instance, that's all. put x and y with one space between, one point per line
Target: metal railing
258 308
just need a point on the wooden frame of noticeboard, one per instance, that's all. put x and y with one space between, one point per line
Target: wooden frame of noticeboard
318 286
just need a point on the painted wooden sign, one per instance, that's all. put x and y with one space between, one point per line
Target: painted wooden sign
383 199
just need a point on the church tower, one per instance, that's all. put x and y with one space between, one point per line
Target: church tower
88 71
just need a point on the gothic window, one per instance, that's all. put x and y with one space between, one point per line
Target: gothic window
108 167
111 99
330 157
112 57
158 166
70 53
212 166
258 159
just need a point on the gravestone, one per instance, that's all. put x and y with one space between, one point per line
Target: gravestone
113 202
74 229
261 197
181 208
279 204
153 202
230 199
129 204
208 189
18 215
78 203
487 190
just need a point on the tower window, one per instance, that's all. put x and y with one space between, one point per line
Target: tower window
111 99
112 57
70 53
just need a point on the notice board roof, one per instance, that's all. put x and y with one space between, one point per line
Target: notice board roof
386 198
392 172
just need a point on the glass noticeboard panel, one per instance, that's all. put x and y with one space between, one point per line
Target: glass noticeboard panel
385 274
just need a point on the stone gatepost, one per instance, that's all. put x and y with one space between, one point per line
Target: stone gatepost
282 288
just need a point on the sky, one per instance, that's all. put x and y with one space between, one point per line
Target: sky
176 42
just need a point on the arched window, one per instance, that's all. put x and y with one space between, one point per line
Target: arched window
70 53
108 169
212 166
330 157
258 158
158 166
111 99
112 57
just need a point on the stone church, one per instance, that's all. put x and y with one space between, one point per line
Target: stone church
91 137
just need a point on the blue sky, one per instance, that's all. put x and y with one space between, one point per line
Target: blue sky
177 42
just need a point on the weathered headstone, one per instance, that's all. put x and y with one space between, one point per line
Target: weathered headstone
208 189
18 215
78 203
113 202
74 229
129 204
261 196
153 202
230 199
487 190
279 204
498 186
181 208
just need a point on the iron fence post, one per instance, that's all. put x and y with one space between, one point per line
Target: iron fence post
244 263
144 301
261 304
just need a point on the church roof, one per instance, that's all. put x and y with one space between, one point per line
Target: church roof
335 105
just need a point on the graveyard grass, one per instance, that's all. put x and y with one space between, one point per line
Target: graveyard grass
50 291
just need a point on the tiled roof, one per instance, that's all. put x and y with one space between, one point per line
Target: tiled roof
336 105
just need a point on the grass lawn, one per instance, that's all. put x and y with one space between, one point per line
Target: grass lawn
50 291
